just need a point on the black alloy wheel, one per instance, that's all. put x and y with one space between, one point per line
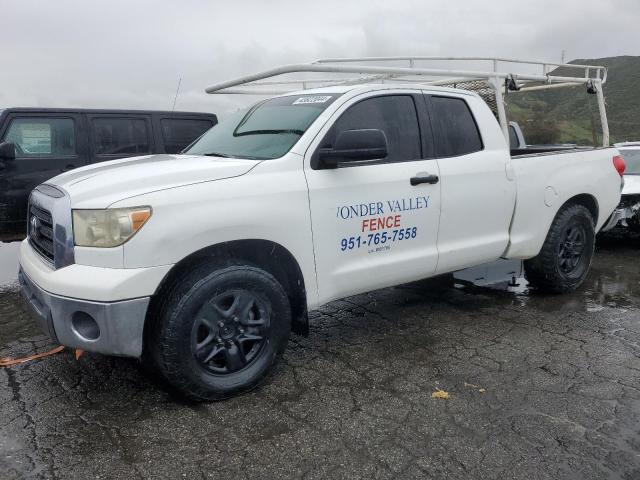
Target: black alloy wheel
572 250
565 258
218 330
230 331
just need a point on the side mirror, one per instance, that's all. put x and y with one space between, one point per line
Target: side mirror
7 151
354 146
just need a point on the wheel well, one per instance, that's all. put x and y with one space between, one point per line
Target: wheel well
264 254
587 201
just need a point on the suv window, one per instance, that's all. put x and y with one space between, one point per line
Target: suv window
179 133
458 132
39 137
395 115
114 136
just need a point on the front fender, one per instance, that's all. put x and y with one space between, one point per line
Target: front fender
269 203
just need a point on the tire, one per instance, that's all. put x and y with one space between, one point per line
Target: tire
565 258
218 333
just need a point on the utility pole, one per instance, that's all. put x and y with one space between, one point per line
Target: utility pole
563 54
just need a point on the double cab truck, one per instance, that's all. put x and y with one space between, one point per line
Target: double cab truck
49 141
203 263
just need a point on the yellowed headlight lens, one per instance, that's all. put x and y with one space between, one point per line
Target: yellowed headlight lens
109 227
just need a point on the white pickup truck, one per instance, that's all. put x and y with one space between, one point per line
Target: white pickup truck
203 262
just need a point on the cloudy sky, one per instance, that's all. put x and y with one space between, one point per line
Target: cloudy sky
131 53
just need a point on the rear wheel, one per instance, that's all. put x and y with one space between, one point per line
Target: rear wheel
220 332
565 258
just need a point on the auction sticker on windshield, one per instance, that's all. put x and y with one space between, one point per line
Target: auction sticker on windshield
312 99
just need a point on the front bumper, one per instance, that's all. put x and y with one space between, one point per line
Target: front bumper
621 215
112 328
616 217
97 309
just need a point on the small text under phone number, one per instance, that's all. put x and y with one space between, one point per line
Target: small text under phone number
379 238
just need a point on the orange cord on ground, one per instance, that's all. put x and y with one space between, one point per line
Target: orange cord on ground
8 362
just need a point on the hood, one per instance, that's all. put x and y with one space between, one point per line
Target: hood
631 185
101 184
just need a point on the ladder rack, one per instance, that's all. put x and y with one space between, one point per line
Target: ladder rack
501 75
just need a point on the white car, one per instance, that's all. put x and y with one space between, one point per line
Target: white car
204 262
629 208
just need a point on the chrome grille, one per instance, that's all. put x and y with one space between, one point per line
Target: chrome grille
41 232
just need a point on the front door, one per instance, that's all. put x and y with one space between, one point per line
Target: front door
372 225
45 147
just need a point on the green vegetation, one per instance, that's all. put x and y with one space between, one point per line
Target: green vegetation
570 115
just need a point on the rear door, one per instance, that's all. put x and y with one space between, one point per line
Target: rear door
178 133
47 144
372 227
477 197
114 136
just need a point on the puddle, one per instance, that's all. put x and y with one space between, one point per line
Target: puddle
613 282
8 263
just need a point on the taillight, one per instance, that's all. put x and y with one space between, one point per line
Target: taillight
618 163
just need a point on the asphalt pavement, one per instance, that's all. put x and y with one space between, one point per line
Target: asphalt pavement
539 387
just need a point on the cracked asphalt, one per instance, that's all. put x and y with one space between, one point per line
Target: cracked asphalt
540 387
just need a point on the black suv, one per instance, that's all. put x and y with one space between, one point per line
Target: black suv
50 141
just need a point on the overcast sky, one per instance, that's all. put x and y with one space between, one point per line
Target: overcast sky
131 53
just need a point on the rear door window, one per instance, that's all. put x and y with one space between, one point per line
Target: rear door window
120 136
458 132
179 133
42 137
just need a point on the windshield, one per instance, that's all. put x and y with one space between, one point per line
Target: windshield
632 159
265 131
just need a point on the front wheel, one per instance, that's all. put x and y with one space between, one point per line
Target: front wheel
565 258
220 332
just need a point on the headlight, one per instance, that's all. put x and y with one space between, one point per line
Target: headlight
109 227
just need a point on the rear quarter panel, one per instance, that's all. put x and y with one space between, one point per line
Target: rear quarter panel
547 181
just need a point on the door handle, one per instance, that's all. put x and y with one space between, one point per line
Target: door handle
431 179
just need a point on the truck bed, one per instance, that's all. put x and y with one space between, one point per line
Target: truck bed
548 179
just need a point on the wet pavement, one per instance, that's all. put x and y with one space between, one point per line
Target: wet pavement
539 387
8 263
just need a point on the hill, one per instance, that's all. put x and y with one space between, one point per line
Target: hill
571 115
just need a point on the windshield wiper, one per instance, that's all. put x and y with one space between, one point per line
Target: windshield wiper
268 132
224 155
216 154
